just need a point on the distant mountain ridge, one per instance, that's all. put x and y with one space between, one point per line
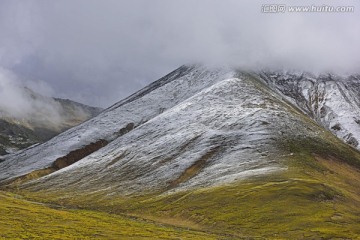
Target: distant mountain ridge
49 117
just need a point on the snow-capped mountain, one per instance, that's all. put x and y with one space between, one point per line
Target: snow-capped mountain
46 118
239 154
333 101
195 127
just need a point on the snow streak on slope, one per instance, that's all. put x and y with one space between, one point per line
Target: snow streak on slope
137 109
333 101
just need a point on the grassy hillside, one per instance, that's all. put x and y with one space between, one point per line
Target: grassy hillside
22 219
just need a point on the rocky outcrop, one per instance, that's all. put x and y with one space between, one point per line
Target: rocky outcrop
332 101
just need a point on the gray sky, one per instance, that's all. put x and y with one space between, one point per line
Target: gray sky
98 52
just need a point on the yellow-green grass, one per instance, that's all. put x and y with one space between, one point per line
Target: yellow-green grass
273 207
318 197
22 219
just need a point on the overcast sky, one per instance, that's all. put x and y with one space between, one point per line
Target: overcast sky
98 52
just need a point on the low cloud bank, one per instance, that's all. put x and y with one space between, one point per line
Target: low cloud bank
22 105
98 52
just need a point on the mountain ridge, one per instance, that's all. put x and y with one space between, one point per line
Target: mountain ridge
178 79
47 118
332 101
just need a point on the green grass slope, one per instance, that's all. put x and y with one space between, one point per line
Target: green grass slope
22 219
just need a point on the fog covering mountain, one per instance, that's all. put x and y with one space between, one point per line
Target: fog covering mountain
224 120
45 118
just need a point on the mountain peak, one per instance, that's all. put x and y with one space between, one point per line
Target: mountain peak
201 105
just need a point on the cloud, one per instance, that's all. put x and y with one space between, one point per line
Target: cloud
12 99
101 51
19 103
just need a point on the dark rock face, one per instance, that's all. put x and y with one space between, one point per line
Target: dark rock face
14 136
78 154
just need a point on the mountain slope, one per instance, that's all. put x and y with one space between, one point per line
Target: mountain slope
231 139
47 118
117 120
218 148
49 222
333 101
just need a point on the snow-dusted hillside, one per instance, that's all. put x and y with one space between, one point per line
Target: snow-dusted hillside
333 101
223 133
135 110
195 127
